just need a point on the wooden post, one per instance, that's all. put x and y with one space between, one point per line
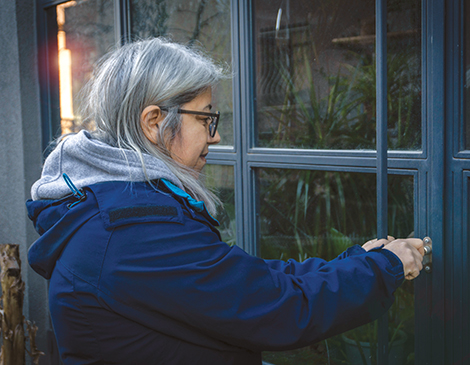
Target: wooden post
13 348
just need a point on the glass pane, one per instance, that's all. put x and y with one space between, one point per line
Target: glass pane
319 214
467 77
220 179
197 23
404 74
316 74
86 33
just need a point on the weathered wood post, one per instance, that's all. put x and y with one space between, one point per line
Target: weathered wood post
13 348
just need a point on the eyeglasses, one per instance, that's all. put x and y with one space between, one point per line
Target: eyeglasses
214 117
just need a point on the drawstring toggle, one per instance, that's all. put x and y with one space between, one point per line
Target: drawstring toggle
79 194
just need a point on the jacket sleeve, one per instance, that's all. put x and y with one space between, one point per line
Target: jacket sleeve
185 273
312 264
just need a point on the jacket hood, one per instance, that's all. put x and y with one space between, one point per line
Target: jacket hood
56 224
88 161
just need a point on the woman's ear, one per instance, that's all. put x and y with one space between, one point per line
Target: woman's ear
150 120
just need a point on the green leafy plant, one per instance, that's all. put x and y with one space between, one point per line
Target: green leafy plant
318 209
312 117
338 111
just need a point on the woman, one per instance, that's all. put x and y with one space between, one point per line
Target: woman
138 273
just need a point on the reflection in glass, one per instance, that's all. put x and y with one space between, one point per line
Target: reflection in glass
201 23
85 33
315 74
319 214
220 179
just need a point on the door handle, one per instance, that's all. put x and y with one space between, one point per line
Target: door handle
427 259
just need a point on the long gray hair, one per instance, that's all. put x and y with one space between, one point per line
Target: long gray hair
149 72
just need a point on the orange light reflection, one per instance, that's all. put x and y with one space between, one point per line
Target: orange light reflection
65 72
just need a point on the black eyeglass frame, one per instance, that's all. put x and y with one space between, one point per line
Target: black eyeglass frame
213 124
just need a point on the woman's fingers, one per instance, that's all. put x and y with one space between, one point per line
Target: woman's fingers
369 245
415 266
417 243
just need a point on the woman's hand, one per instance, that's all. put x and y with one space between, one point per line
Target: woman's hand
409 250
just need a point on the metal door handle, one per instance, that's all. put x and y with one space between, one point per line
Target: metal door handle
427 260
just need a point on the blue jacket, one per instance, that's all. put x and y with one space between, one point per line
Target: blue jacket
139 275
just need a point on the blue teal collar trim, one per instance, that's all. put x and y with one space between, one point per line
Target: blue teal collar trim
199 206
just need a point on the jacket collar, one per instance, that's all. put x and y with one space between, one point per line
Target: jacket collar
199 206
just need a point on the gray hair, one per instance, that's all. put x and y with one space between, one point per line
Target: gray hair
150 72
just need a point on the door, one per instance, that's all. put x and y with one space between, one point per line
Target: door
313 161
443 296
325 109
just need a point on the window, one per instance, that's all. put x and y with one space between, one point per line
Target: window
315 74
85 34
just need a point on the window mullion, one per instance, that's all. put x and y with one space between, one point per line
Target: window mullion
122 21
382 207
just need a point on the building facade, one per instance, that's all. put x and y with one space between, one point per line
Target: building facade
343 121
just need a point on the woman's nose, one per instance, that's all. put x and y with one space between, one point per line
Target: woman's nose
215 139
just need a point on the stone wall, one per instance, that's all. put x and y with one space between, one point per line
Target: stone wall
20 147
